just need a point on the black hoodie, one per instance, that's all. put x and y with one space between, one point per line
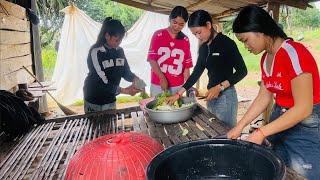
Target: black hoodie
106 68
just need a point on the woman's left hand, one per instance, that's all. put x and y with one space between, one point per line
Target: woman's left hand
213 92
255 137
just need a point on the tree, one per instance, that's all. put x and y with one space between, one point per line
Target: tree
298 18
51 19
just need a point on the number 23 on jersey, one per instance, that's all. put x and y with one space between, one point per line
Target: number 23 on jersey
166 66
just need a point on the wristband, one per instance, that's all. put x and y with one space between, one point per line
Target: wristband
179 95
261 132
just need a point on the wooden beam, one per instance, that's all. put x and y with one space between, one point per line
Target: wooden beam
273 9
147 7
249 1
196 4
226 13
230 12
301 4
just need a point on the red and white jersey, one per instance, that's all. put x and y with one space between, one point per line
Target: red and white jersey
291 60
172 55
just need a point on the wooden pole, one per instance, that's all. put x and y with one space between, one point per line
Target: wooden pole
37 60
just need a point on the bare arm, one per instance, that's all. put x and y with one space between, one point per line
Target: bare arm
163 81
186 74
302 91
259 104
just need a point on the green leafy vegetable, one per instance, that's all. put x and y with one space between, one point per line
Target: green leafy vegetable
144 95
161 99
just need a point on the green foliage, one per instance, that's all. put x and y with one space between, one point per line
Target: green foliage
49 57
99 10
252 61
126 99
51 19
79 102
291 19
144 95
120 99
299 18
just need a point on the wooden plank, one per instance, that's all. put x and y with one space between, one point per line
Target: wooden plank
11 80
135 122
161 133
146 6
208 130
195 129
42 89
14 37
14 50
172 135
37 93
302 4
214 124
143 125
44 83
13 9
190 135
14 23
13 64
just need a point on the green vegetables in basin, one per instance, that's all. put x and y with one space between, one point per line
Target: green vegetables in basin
163 106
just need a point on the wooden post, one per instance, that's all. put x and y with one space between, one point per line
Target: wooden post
37 60
273 9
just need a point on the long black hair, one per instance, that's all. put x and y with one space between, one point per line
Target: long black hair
200 18
182 12
255 19
111 26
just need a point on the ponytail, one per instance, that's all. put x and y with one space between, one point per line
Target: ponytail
111 26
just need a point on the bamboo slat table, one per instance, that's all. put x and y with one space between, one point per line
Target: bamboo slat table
45 151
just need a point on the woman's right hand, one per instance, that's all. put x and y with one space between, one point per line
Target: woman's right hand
131 90
235 132
164 83
172 99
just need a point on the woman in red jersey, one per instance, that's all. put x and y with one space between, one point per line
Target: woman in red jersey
290 75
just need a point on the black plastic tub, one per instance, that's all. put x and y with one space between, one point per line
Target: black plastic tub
216 159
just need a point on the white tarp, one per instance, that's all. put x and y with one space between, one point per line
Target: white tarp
79 32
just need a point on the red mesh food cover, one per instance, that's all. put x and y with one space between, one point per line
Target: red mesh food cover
114 156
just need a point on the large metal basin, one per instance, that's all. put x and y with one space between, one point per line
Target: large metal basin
172 116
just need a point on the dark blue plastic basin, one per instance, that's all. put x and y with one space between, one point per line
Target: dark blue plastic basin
216 159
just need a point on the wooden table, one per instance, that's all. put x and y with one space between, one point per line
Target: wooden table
45 151
202 125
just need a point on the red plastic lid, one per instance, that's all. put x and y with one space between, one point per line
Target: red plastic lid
114 156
